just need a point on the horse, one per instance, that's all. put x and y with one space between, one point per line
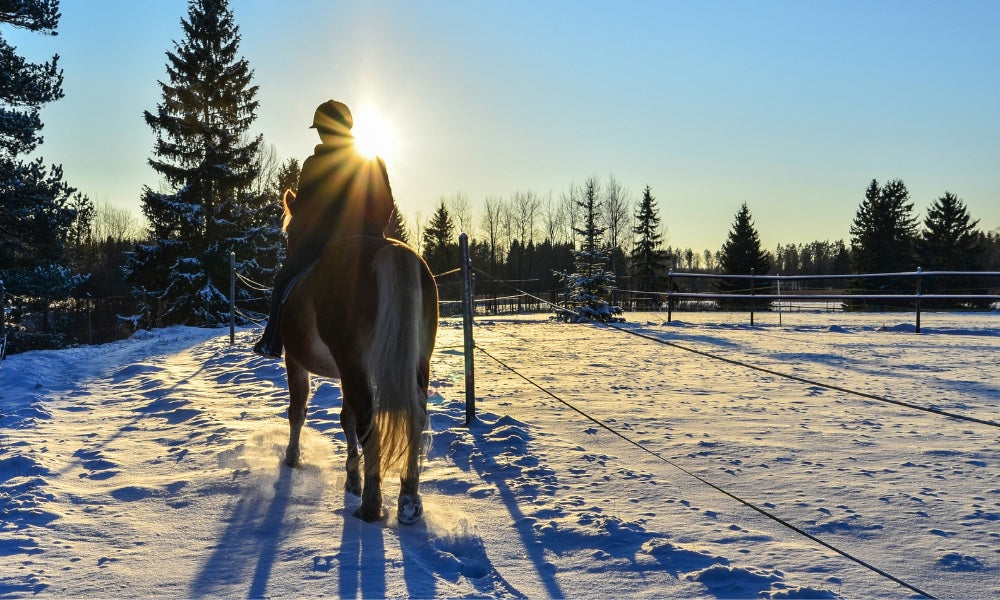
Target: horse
366 311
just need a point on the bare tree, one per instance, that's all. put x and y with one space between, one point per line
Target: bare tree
553 219
113 223
569 202
461 212
491 224
617 212
525 207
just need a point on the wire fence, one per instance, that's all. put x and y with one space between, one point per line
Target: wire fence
469 313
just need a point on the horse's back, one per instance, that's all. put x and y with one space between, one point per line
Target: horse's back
329 317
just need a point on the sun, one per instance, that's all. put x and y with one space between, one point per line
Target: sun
373 135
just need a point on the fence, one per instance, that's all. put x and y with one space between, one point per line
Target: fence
756 301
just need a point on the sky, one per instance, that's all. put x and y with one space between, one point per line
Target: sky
789 107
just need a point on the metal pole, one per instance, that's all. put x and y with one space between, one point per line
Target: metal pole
670 294
751 294
232 298
3 321
919 274
467 313
779 299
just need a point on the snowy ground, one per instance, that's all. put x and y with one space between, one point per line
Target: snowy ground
151 467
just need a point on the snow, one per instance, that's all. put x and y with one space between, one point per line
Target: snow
151 467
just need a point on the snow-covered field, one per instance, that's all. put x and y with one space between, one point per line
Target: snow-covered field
151 467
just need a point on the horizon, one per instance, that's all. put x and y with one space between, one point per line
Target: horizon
790 108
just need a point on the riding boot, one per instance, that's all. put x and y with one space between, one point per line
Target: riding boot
269 344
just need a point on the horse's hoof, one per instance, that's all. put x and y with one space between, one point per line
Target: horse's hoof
292 460
369 515
353 487
410 509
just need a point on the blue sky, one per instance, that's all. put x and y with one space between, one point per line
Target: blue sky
791 107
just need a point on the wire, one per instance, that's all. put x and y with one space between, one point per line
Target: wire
732 361
746 503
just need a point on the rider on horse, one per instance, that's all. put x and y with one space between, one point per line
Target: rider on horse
344 193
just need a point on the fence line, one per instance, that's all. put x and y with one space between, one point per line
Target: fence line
714 486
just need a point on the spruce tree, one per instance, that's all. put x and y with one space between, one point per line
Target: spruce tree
440 248
883 236
397 226
209 164
950 241
590 286
38 209
743 254
647 259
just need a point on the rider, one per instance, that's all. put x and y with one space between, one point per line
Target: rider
343 194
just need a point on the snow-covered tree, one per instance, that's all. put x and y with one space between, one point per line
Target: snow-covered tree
38 209
590 286
210 168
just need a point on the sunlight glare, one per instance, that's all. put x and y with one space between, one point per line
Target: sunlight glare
373 136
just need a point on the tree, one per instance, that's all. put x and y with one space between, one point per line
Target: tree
647 259
589 288
211 167
743 254
883 235
615 217
950 241
39 212
440 249
397 226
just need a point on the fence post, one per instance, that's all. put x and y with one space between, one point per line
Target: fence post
752 273
232 298
468 307
3 321
778 281
670 294
919 275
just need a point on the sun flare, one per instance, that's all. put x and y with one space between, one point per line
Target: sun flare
373 135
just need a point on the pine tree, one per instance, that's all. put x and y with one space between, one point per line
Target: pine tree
440 248
590 286
397 226
743 254
205 157
883 236
648 260
38 209
950 241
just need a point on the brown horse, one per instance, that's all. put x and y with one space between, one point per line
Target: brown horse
366 311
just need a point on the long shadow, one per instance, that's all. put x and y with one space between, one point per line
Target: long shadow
414 541
250 531
486 466
361 558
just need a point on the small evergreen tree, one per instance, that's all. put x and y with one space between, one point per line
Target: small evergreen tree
590 286
440 248
205 158
743 254
950 241
397 226
648 260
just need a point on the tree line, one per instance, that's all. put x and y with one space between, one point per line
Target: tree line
78 272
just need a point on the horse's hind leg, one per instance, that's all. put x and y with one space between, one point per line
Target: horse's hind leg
410 507
359 396
298 393
348 422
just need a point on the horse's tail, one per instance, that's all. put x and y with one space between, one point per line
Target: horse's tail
400 350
